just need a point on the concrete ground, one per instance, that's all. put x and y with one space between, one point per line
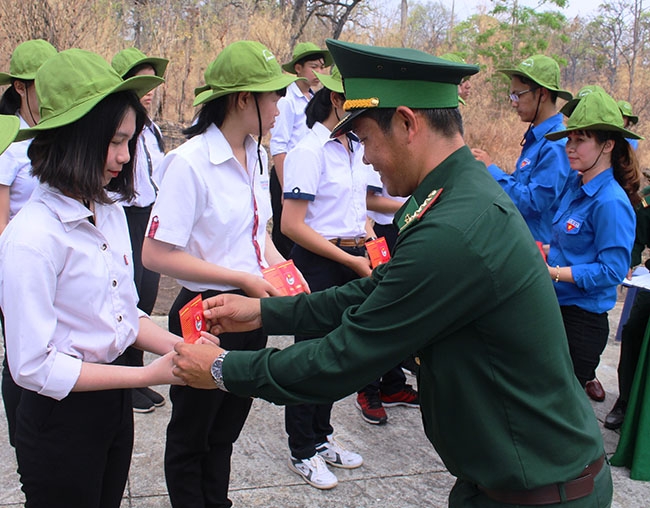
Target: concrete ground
400 469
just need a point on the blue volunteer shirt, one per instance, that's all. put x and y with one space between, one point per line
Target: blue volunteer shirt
593 233
539 178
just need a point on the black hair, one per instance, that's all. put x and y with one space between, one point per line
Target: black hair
447 121
533 85
72 158
214 112
624 162
10 102
319 107
310 58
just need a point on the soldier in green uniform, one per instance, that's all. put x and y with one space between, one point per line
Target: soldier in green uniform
466 289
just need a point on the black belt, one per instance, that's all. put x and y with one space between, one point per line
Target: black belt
581 487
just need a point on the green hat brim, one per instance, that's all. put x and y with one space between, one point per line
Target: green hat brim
554 136
289 67
330 83
159 65
139 84
633 118
562 94
9 125
277 83
5 78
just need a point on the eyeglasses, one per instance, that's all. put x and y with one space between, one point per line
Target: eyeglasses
514 96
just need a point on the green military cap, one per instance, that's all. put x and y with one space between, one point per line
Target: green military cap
378 77
595 112
568 108
129 58
9 125
26 60
626 110
304 49
333 81
543 70
243 66
73 82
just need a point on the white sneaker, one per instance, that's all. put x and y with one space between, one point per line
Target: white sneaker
314 471
337 456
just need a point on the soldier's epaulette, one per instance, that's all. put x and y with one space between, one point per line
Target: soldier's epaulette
644 201
413 217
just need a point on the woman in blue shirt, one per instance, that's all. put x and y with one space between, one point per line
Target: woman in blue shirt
594 226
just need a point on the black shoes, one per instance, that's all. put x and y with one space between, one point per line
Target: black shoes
615 418
145 400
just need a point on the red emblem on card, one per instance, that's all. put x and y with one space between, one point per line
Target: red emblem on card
192 320
284 277
378 251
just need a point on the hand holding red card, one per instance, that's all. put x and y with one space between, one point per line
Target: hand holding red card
285 278
192 320
378 251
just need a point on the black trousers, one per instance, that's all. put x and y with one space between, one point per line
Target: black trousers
74 452
587 333
10 390
203 427
146 281
394 380
631 341
308 425
283 243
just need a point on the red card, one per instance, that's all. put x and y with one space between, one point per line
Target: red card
192 320
284 277
378 251
540 246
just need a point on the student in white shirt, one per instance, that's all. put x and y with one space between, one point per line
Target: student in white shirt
325 215
66 287
208 230
16 181
290 126
151 149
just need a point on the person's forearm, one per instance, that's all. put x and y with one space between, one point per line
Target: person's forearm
155 339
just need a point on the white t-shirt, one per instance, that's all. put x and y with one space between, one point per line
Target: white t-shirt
205 204
290 125
66 290
378 187
334 181
15 172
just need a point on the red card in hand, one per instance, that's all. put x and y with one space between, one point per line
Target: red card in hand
284 277
192 320
378 251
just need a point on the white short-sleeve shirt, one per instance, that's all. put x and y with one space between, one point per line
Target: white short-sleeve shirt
15 172
290 125
205 204
66 290
334 181
375 185
148 158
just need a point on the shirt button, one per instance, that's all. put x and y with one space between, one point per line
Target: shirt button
104 246
119 318
114 283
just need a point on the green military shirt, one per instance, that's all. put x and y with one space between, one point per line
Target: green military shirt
469 292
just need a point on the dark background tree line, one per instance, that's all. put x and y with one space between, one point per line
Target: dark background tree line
607 47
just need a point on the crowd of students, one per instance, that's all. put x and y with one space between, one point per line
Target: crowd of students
113 211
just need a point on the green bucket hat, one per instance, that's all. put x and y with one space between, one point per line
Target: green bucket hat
596 111
243 66
73 82
333 81
543 70
626 110
129 58
378 77
9 125
26 60
304 49
568 108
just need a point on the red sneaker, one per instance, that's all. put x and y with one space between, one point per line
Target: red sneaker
371 409
405 397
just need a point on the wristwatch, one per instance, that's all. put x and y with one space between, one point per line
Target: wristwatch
217 374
